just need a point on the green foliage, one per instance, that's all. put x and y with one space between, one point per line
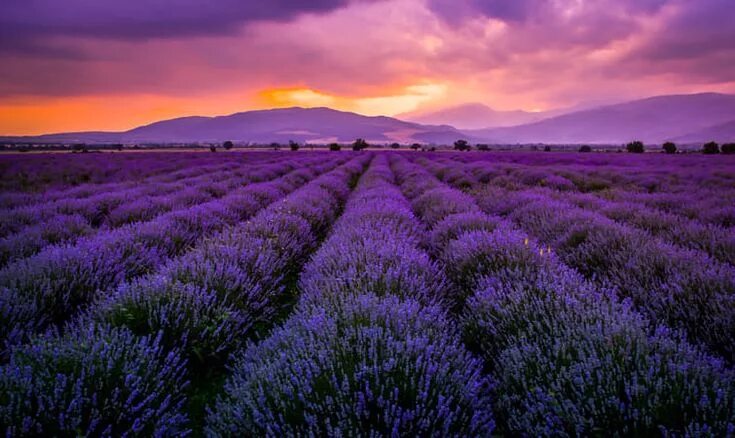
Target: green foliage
360 144
635 147
711 148
461 145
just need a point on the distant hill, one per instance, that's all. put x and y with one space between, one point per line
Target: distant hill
473 116
681 118
652 120
723 133
265 126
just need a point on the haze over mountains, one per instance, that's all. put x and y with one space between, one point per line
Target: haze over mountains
473 116
320 125
690 118
480 116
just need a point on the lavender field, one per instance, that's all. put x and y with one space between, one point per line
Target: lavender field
367 293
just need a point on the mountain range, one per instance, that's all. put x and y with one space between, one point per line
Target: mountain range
319 125
692 118
688 117
474 116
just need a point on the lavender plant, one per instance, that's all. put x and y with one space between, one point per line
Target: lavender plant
367 366
93 381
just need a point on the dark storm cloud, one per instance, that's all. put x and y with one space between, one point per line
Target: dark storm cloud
516 12
30 26
513 11
695 29
695 40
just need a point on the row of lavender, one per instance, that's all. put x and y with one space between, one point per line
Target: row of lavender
128 358
31 177
567 357
47 288
30 229
679 287
92 200
372 347
369 350
624 184
688 187
711 234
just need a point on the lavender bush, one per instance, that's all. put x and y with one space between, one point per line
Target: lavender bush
62 279
94 381
369 366
210 301
569 359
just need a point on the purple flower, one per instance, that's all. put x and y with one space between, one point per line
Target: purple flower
367 365
93 381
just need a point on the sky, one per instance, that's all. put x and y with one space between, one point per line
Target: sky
77 65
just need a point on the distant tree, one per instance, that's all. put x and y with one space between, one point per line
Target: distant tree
212 148
293 145
334 147
416 146
585 148
482 147
728 148
432 149
227 145
711 148
275 146
78 147
395 146
669 147
461 145
547 148
635 147
359 144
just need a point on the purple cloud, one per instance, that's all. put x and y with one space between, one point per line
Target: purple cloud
455 11
519 11
29 25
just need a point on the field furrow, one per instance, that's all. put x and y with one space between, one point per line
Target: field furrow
64 224
367 351
557 347
50 287
97 206
680 288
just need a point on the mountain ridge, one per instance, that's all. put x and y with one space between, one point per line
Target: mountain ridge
653 120
320 124
472 115
684 117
